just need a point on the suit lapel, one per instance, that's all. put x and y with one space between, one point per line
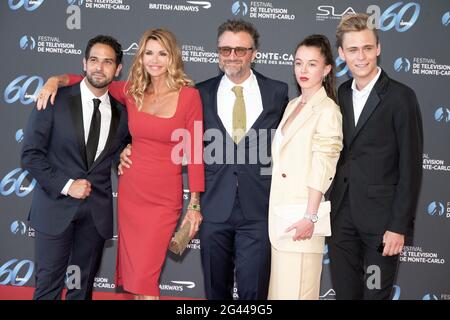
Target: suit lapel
212 101
303 116
76 110
372 102
346 103
115 118
266 98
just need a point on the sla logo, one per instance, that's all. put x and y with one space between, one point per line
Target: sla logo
12 274
436 208
75 2
326 259
18 227
442 114
446 19
329 295
29 5
27 42
430 296
396 294
330 10
131 50
340 64
19 135
18 89
390 19
402 64
16 184
239 8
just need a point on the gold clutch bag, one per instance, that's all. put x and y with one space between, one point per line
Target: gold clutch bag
180 239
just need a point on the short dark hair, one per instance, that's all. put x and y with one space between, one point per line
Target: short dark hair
107 40
239 25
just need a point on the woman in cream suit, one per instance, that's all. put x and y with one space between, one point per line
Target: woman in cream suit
305 152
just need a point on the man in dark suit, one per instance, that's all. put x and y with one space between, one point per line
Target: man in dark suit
379 171
69 150
240 109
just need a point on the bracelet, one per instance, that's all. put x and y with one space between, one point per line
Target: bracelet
195 207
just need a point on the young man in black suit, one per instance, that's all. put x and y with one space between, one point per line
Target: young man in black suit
69 148
379 172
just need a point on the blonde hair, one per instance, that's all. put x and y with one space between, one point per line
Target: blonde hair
138 78
353 22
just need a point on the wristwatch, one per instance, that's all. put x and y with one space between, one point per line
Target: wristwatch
312 217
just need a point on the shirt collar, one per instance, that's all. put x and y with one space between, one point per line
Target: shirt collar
87 94
367 88
247 84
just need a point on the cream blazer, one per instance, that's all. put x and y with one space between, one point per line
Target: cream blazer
307 157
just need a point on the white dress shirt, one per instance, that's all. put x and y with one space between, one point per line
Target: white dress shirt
226 99
278 140
360 97
88 109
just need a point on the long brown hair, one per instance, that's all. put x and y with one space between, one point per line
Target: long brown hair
323 44
138 78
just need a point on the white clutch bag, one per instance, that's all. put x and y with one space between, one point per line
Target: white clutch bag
287 214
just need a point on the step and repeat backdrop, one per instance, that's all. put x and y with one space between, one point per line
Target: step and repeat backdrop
41 38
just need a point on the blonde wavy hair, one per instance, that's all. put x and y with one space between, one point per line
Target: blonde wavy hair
138 78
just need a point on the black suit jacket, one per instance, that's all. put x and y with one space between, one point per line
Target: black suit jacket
222 178
54 151
381 163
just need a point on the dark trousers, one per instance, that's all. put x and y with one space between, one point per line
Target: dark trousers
237 246
358 270
80 245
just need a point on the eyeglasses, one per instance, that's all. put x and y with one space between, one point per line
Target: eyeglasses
238 51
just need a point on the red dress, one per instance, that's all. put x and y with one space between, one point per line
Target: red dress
150 191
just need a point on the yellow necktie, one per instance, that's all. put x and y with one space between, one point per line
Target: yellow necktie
239 115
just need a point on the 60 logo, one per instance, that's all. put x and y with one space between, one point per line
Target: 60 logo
17 89
29 5
11 273
10 184
390 18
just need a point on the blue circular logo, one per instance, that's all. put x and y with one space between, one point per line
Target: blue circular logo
442 114
436 208
18 227
430 296
342 67
27 42
80 2
402 64
397 291
446 19
239 8
326 258
19 135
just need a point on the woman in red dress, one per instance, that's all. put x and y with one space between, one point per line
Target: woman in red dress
166 124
